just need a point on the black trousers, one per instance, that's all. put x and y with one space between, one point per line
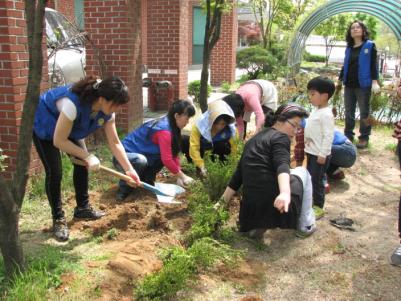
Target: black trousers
220 148
317 172
51 160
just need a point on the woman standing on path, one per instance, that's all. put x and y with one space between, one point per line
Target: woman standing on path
359 76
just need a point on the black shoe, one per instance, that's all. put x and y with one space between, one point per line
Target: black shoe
60 229
88 213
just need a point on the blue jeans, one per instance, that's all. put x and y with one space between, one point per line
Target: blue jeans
352 96
146 168
343 155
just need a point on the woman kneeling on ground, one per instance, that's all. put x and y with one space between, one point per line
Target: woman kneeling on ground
214 131
156 144
273 195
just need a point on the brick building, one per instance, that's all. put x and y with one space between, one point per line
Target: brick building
126 34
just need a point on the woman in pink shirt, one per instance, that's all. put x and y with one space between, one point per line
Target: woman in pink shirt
260 96
156 144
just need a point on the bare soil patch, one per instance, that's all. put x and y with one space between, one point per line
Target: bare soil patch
333 264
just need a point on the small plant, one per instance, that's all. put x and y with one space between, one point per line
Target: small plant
194 90
391 147
219 172
180 267
112 233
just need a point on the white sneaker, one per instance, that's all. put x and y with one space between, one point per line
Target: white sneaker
396 257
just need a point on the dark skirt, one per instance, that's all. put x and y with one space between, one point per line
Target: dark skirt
257 212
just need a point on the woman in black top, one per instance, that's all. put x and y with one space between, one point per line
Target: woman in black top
359 75
271 196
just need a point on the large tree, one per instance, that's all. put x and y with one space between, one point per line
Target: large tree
12 193
214 12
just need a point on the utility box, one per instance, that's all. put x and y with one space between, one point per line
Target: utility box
160 94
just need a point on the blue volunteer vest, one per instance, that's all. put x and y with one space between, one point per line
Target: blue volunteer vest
47 114
140 140
364 60
223 135
339 138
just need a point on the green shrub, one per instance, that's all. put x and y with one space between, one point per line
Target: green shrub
219 173
315 58
194 90
378 101
256 60
180 267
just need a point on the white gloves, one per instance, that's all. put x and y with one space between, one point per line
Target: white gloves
203 172
184 181
92 162
375 88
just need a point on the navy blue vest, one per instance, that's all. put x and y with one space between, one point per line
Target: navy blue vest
364 62
224 135
140 140
47 114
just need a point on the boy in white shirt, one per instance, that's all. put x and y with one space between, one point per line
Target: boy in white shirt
319 132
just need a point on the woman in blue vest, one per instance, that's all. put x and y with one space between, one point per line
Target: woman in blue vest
64 117
156 144
359 76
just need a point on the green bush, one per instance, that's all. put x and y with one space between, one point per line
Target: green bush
314 57
180 267
257 61
229 88
378 101
194 90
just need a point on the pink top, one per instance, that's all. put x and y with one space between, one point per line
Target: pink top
251 95
163 139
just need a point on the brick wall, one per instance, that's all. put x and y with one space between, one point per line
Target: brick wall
115 31
222 65
13 79
167 29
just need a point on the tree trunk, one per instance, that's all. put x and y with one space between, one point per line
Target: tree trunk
204 83
10 245
212 35
12 195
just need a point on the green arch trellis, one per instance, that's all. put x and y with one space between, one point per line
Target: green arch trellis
388 11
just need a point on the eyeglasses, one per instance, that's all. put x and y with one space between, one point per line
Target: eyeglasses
296 127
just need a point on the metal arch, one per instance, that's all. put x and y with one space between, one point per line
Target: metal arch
387 6
393 22
388 11
372 12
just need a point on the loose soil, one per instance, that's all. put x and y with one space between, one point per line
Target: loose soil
332 264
